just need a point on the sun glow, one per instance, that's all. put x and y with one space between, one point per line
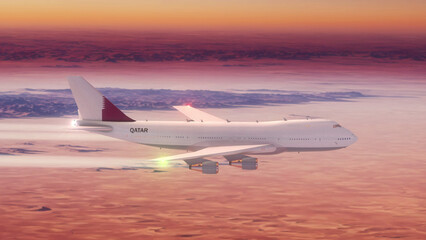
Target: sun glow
162 163
74 123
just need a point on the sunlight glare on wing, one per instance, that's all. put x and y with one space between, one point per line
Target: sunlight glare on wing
162 163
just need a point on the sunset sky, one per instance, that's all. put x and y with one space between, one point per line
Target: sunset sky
270 15
154 40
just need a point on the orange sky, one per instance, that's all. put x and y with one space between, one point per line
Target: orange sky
266 15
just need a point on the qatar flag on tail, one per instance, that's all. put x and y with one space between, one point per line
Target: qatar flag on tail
92 105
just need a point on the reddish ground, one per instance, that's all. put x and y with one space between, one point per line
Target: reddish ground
303 196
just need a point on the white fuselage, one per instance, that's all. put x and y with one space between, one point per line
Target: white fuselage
291 135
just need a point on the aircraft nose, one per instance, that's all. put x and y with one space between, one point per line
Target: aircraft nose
353 137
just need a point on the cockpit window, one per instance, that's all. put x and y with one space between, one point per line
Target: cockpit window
336 126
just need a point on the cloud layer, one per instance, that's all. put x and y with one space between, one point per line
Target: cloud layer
55 103
71 48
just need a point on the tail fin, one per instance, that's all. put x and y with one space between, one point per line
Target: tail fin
92 105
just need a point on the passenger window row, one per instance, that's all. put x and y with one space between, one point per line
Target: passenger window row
344 138
301 139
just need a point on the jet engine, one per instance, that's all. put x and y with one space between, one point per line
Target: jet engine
203 165
243 162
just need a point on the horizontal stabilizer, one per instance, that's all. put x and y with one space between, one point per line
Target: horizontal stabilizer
94 128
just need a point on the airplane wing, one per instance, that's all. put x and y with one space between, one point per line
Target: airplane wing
197 115
223 150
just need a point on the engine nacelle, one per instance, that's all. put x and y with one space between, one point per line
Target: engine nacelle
206 167
210 167
246 163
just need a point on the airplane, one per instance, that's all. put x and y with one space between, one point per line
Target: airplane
204 135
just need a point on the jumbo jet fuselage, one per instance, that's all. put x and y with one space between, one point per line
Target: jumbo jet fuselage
282 136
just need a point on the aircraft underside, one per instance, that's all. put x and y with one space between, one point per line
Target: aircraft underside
241 161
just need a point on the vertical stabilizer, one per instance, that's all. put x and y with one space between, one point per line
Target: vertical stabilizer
92 105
